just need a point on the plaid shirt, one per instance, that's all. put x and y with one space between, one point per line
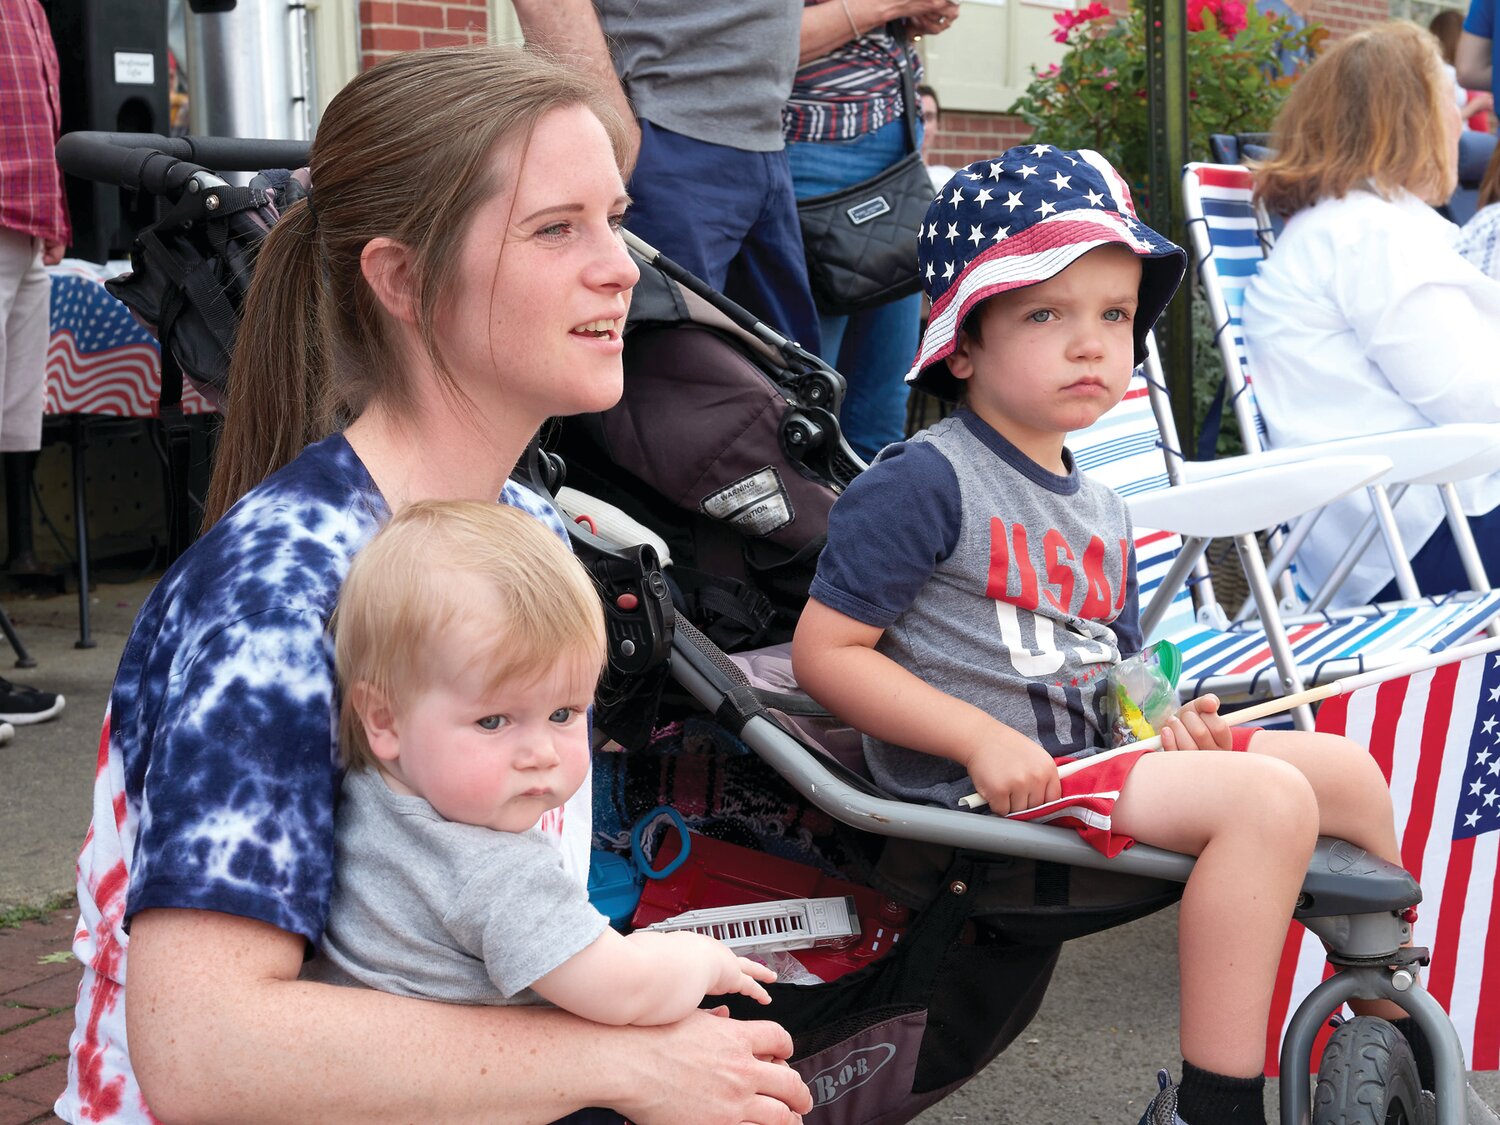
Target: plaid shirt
851 91
31 195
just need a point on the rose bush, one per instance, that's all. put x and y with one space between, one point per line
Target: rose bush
1240 65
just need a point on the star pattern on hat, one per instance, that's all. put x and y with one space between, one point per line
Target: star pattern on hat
1017 219
1019 189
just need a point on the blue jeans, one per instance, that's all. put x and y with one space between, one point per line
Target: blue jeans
728 216
873 348
1437 566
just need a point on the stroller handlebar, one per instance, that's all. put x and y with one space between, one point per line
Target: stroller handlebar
160 165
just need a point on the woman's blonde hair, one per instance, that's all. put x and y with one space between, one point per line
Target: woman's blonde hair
404 595
403 152
1371 112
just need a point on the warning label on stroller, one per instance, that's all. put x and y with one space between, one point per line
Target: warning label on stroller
757 504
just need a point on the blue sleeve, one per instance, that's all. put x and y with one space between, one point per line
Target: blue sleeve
237 803
1481 19
894 523
1127 625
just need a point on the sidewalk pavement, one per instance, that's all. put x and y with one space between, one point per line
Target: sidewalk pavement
38 982
46 774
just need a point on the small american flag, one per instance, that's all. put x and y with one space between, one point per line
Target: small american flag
99 359
1436 734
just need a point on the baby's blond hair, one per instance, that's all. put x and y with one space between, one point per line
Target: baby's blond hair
400 601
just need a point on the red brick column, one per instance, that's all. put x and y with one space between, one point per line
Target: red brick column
389 26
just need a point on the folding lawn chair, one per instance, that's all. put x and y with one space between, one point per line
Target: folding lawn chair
1131 448
1231 236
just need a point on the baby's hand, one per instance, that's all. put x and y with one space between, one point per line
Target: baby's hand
1012 773
1197 726
740 974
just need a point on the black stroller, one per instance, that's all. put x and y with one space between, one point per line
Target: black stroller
742 520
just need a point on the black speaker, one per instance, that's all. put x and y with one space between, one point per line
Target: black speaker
112 57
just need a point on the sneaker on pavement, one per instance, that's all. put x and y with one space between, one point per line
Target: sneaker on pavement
1162 1109
21 705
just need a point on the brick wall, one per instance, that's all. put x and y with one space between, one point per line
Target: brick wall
963 138
389 26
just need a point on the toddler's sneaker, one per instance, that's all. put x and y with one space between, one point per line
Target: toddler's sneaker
21 705
1162 1109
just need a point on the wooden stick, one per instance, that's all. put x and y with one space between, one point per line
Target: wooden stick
1286 703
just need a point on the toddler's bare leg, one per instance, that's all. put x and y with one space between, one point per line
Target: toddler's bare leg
1354 804
1252 822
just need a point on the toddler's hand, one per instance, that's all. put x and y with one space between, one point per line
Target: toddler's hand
1013 773
740 974
1197 726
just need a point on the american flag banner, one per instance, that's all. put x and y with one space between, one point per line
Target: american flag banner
99 359
1436 735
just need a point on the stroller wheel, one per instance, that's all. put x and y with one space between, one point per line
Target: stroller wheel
1368 1077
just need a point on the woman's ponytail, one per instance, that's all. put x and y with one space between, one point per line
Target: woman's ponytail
278 372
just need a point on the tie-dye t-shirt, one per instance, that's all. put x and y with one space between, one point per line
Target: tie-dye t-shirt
217 767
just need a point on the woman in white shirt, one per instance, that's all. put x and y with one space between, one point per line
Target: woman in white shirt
1364 319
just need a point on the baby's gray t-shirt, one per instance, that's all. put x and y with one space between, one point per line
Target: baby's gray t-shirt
441 911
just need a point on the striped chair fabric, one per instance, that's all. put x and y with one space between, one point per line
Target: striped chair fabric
1125 449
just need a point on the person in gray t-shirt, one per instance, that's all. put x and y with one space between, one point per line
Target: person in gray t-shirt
704 85
467 644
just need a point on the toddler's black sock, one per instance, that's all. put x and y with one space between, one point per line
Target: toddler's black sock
1420 1049
1206 1098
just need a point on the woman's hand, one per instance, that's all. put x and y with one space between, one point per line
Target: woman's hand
1198 726
1010 771
711 1070
929 17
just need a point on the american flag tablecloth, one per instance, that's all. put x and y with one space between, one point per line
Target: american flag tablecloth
99 360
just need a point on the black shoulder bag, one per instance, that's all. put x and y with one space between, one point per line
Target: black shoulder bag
861 241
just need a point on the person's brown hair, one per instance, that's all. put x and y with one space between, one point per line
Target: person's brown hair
403 152
1369 113
405 597
1489 186
1445 27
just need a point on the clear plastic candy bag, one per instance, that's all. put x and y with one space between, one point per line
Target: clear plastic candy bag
1142 693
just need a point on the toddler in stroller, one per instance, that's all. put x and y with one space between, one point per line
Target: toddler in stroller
946 657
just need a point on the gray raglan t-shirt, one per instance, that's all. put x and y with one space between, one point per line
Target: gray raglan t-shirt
1001 583
441 911
714 72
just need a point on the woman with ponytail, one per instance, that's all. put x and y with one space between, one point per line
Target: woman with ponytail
455 278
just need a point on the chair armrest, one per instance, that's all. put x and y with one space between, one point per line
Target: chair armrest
1246 502
1430 455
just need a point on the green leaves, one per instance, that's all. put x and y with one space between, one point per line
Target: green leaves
1241 64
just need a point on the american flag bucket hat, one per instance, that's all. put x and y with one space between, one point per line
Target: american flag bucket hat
1017 220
